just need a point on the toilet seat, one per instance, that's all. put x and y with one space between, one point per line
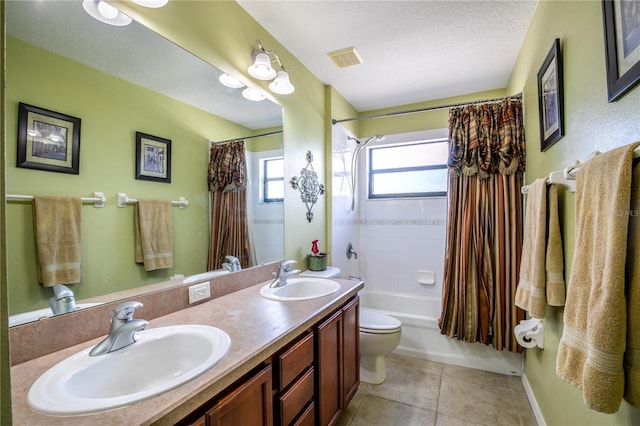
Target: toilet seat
378 323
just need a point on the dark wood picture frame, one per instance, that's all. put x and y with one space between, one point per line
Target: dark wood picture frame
622 45
48 140
551 98
153 158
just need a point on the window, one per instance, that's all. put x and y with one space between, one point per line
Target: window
416 169
272 180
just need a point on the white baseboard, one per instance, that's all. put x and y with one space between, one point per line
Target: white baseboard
532 401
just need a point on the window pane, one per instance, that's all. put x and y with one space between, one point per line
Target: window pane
274 168
415 155
410 182
275 190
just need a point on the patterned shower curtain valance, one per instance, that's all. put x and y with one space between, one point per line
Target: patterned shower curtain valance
227 167
486 139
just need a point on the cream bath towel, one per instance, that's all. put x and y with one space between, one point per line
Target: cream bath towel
154 234
554 263
591 350
632 351
58 239
530 294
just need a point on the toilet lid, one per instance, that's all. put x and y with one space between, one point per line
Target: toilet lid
377 322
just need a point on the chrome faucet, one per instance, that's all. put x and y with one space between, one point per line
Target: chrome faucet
232 264
63 300
123 329
283 273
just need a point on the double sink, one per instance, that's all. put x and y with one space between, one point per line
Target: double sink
160 359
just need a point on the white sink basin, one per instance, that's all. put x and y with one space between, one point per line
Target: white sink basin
301 288
161 359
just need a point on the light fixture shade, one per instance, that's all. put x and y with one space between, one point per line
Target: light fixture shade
281 84
151 3
230 81
261 67
105 13
252 94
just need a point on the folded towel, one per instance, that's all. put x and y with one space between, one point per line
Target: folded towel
590 353
57 226
555 254
154 234
530 294
632 351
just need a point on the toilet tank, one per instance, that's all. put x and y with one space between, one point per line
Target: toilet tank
330 272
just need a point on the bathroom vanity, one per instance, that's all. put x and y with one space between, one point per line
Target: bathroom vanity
288 363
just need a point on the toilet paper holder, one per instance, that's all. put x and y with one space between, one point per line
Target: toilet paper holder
530 333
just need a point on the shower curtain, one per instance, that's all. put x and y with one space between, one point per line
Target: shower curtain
484 235
227 181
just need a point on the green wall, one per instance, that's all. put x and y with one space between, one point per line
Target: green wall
111 110
591 124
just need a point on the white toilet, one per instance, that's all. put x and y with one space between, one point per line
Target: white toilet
379 335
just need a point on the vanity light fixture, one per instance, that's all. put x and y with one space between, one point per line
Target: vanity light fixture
151 3
104 12
252 94
230 81
281 83
262 69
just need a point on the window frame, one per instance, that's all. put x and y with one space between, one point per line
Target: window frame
371 172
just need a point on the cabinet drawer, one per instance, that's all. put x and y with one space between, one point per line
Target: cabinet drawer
294 399
294 361
307 418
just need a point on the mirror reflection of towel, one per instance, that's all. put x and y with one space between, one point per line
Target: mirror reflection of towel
58 239
153 234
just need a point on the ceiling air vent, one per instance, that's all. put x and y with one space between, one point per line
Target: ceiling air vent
345 57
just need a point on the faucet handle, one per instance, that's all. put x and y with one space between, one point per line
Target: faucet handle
124 311
284 266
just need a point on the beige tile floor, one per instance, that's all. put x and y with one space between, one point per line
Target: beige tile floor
419 392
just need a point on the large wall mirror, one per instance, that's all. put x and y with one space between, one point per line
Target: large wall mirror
119 81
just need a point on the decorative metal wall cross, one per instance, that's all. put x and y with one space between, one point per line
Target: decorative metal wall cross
308 185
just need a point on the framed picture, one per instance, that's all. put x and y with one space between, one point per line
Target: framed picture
551 98
48 140
153 158
621 21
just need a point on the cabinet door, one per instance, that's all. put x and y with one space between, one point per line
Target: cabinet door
329 369
350 350
248 404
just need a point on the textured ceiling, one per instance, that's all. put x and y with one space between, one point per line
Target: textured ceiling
413 51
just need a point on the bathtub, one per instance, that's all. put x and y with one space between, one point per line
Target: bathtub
421 336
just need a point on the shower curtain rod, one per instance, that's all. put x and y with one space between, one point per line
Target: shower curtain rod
277 132
412 111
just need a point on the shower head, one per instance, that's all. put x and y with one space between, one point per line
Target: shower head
376 138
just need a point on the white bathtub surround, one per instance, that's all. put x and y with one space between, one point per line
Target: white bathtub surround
421 336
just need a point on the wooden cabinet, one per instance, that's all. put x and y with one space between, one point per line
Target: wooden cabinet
249 403
337 362
308 383
295 382
350 349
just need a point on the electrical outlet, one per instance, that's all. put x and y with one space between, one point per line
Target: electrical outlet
199 292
